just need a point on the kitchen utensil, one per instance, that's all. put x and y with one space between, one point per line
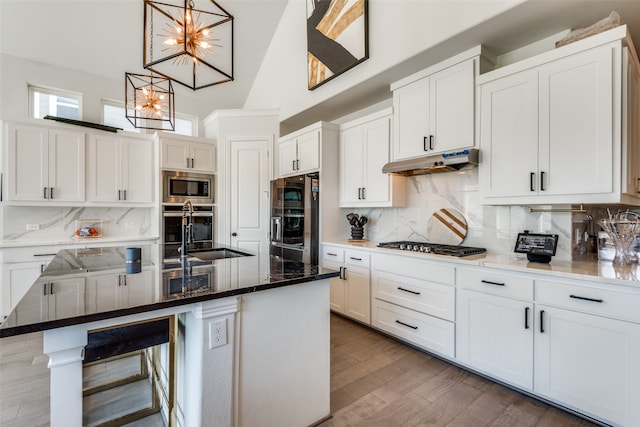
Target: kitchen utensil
363 220
350 218
622 227
447 226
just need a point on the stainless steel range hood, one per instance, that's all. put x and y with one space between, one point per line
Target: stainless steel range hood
444 162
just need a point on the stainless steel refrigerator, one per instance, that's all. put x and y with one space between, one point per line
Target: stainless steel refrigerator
294 218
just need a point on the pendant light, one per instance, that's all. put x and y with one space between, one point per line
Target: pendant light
149 101
189 43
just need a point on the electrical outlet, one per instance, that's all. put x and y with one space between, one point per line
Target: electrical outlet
217 333
33 227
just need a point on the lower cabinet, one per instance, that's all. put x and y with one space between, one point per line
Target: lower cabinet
495 324
350 292
60 297
406 305
113 291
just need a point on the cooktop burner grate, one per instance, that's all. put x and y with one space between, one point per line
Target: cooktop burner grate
432 248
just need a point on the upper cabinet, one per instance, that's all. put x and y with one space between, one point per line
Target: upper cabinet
44 165
299 153
188 154
120 169
551 127
434 109
364 150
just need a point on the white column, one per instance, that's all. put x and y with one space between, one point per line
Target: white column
65 348
208 364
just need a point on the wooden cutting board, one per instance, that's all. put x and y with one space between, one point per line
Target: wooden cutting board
447 226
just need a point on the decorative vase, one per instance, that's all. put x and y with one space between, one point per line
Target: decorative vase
357 233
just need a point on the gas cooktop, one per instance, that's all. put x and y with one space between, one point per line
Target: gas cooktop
432 248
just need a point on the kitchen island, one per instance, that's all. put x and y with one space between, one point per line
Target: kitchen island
267 361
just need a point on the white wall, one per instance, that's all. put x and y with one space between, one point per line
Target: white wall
398 30
17 73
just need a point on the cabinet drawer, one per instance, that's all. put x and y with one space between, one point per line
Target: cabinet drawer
420 329
357 258
589 299
332 257
44 254
496 283
426 297
416 268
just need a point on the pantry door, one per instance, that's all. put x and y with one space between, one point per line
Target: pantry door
249 193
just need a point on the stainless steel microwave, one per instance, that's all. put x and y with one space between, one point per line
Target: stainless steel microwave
177 187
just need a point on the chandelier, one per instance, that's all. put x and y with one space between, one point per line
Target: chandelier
191 45
149 101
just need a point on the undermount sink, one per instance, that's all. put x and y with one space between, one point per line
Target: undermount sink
219 253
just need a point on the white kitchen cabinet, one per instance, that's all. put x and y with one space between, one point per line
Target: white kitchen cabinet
45 164
299 153
120 169
495 325
414 305
350 292
188 154
364 150
109 291
435 113
59 298
550 129
20 269
631 108
590 363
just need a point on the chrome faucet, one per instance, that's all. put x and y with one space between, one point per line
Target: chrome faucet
187 225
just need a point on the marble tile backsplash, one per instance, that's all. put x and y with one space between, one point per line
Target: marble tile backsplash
59 223
491 227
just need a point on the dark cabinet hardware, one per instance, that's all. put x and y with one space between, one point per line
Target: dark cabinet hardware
234 234
343 273
526 317
542 321
44 289
355 259
400 288
51 193
424 144
119 194
541 181
364 195
124 194
430 142
488 282
331 254
359 193
50 288
586 298
531 179
293 164
298 164
407 325
41 268
193 162
44 193
44 254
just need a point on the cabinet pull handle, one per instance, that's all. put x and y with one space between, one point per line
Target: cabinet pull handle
344 273
124 194
359 193
424 144
124 279
364 195
119 195
119 279
542 321
193 162
44 254
331 254
541 181
355 258
430 142
400 288
488 282
51 193
406 324
50 288
531 180
293 165
298 164
44 289
526 317
44 192
41 268
586 298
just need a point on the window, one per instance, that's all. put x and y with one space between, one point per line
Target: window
113 115
54 102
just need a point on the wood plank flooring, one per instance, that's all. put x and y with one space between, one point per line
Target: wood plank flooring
376 381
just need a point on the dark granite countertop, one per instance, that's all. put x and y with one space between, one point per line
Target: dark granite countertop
85 285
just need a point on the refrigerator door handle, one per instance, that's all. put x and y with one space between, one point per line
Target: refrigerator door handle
276 228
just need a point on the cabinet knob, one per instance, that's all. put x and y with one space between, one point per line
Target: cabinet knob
234 234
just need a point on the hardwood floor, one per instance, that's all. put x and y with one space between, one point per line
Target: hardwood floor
376 381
